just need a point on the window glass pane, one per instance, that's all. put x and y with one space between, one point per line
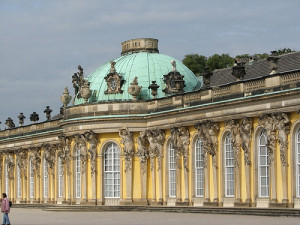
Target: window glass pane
229 167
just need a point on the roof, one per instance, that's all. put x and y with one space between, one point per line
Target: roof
287 62
148 67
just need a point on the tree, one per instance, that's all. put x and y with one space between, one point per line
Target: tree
219 61
196 63
284 51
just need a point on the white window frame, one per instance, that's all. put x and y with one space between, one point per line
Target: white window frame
31 179
6 180
19 182
112 171
199 168
60 178
46 179
263 166
229 167
172 171
297 158
77 173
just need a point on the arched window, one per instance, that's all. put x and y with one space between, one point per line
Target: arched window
19 183
77 173
263 166
31 179
199 168
229 167
46 183
112 171
297 138
172 171
60 178
6 180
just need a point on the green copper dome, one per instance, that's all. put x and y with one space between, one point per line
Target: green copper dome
147 67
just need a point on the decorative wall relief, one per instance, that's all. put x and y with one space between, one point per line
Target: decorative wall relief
36 159
245 131
49 155
180 139
65 151
127 141
113 80
207 132
22 161
142 149
91 138
174 81
80 143
156 140
10 162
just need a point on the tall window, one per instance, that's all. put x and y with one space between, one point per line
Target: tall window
19 183
229 167
60 178
46 183
199 169
31 179
297 138
78 173
263 167
6 180
172 172
112 171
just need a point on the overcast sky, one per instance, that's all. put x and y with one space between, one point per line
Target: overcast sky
42 42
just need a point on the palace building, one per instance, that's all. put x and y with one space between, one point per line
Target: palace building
142 129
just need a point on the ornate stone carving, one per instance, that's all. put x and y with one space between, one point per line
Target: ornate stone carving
156 140
91 138
127 141
80 143
134 89
48 112
235 139
78 82
10 162
65 151
21 119
65 98
10 123
245 130
267 121
153 86
85 91
180 139
114 81
207 132
36 159
273 58
22 162
49 154
282 125
34 117
174 81
143 152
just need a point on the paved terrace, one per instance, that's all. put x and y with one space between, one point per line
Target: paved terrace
151 216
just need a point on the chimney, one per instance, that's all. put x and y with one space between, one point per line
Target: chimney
273 58
238 71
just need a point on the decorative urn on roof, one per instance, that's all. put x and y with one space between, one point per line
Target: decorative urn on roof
66 97
21 119
134 89
85 91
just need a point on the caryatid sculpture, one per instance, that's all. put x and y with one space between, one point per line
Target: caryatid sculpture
91 138
143 145
127 141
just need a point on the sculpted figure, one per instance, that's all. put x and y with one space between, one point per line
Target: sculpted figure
22 162
143 152
80 143
91 138
36 159
49 155
245 131
282 125
9 161
184 136
65 151
127 141
156 140
235 139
